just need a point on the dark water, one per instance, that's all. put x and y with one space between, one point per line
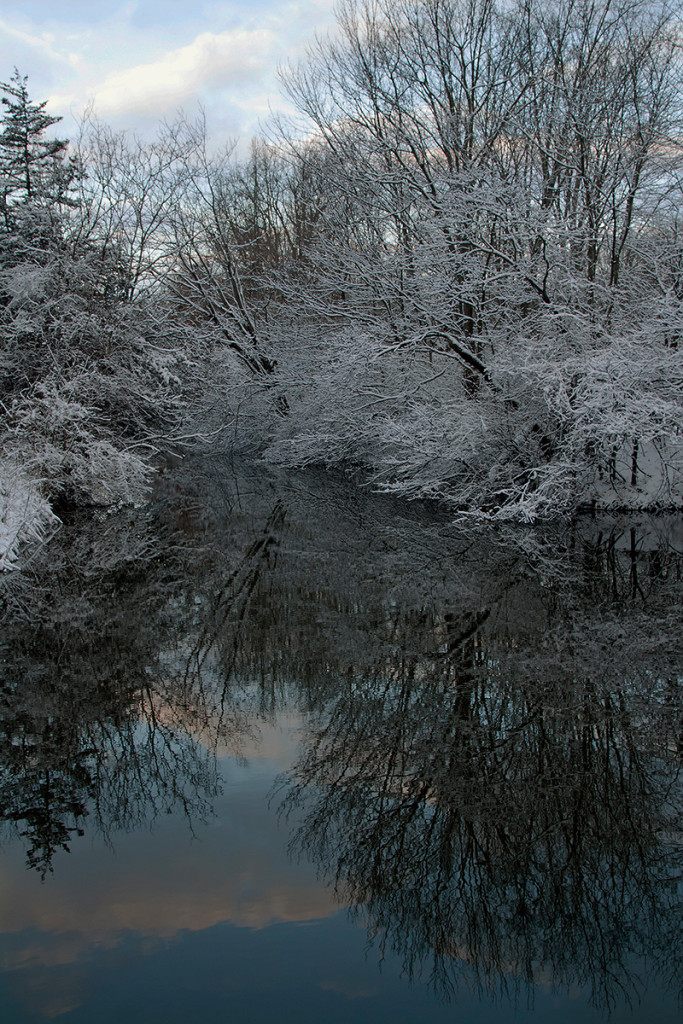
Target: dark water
275 750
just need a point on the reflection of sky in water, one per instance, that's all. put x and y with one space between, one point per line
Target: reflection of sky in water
103 906
444 660
317 974
165 880
216 927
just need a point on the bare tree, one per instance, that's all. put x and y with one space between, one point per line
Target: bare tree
482 177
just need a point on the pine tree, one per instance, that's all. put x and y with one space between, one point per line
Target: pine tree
36 179
33 170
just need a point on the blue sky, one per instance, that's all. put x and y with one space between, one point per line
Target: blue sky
142 60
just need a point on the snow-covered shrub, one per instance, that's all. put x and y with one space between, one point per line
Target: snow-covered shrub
25 514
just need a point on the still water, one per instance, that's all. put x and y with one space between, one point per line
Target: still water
273 749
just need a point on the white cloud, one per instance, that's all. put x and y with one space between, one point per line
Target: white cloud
29 51
211 61
139 62
40 41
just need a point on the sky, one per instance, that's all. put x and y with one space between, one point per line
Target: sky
141 61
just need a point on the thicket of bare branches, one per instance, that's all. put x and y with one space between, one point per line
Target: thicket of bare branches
488 305
457 270
99 367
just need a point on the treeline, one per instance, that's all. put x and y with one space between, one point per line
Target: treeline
101 361
458 268
492 277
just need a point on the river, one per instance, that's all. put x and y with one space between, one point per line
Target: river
276 749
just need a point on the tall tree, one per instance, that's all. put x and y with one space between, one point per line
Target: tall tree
31 166
495 179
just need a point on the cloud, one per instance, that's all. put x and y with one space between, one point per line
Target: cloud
140 61
32 52
212 61
38 41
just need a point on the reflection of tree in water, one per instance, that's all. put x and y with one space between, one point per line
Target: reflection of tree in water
98 719
493 772
518 827
493 728
500 784
119 683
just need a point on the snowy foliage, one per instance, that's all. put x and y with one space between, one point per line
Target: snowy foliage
458 274
487 305
97 366
25 515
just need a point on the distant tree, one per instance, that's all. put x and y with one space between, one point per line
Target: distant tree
33 169
35 179
89 365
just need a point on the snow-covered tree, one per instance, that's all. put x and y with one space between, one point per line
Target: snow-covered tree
94 369
480 313
33 168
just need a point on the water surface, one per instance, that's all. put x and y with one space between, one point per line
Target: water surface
276 750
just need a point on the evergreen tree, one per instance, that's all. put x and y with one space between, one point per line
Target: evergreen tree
32 168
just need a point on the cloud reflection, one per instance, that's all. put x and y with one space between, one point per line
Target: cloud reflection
163 884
